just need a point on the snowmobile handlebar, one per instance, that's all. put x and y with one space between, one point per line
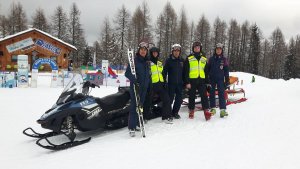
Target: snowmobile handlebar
90 84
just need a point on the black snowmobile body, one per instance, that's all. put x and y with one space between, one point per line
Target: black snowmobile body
76 109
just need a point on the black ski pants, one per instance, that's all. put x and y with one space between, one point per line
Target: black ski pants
175 91
160 90
198 84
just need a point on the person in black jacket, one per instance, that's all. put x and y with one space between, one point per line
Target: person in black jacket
173 69
142 80
158 85
196 78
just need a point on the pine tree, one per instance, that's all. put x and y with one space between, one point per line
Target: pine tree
141 25
107 41
76 33
234 36
59 25
98 51
266 58
219 32
17 20
122 21
290 66
87 56
244 47
278 53
183 32
40 21
254 50
3 26
166 27
202 34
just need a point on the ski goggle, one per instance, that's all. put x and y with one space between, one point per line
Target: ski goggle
176 48
144 45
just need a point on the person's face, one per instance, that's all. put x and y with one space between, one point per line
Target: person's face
143 52
176 53
197 49
219 51
155 54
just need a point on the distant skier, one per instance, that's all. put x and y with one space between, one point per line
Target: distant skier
143 81
218 69
173 69
196 79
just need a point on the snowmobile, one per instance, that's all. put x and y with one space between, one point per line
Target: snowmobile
76 109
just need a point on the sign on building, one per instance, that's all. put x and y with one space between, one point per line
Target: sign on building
19 45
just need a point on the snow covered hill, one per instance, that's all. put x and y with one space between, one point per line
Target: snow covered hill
261 133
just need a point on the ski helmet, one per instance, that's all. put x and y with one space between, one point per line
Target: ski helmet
197 43
219 45
144 45
154 49
176 46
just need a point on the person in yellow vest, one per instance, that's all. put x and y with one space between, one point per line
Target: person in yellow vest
159 85
196 79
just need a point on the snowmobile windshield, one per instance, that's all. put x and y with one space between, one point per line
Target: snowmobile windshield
73 88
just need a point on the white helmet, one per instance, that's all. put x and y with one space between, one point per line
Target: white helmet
219 45
176 46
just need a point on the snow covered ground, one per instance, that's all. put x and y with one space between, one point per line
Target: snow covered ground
261 133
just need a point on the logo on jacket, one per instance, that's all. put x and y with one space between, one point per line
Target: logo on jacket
222 65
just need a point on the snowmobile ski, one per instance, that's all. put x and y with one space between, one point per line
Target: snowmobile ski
62 146
139 106
38 135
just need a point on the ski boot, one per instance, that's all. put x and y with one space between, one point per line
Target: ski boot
168 120
131 132
176 116
213 111
191 114
223 113
207 114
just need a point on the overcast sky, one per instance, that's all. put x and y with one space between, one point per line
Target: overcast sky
268 14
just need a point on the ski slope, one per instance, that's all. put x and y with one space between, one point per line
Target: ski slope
261 133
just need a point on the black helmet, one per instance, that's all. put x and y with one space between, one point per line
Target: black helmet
154 49
197 43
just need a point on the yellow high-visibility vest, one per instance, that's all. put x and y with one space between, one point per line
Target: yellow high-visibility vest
156 72
197 68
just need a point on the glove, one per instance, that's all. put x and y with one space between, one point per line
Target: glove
208 87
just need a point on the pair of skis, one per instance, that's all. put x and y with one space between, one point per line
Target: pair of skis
139 106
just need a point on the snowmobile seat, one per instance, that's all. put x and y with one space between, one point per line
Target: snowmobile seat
113 101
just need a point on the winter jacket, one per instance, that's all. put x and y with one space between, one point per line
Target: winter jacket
187 78
142 73
174 70
218 68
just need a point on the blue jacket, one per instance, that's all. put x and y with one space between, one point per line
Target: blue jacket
218 68
173 68
142 70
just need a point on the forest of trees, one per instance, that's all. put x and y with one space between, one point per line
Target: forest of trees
245 47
